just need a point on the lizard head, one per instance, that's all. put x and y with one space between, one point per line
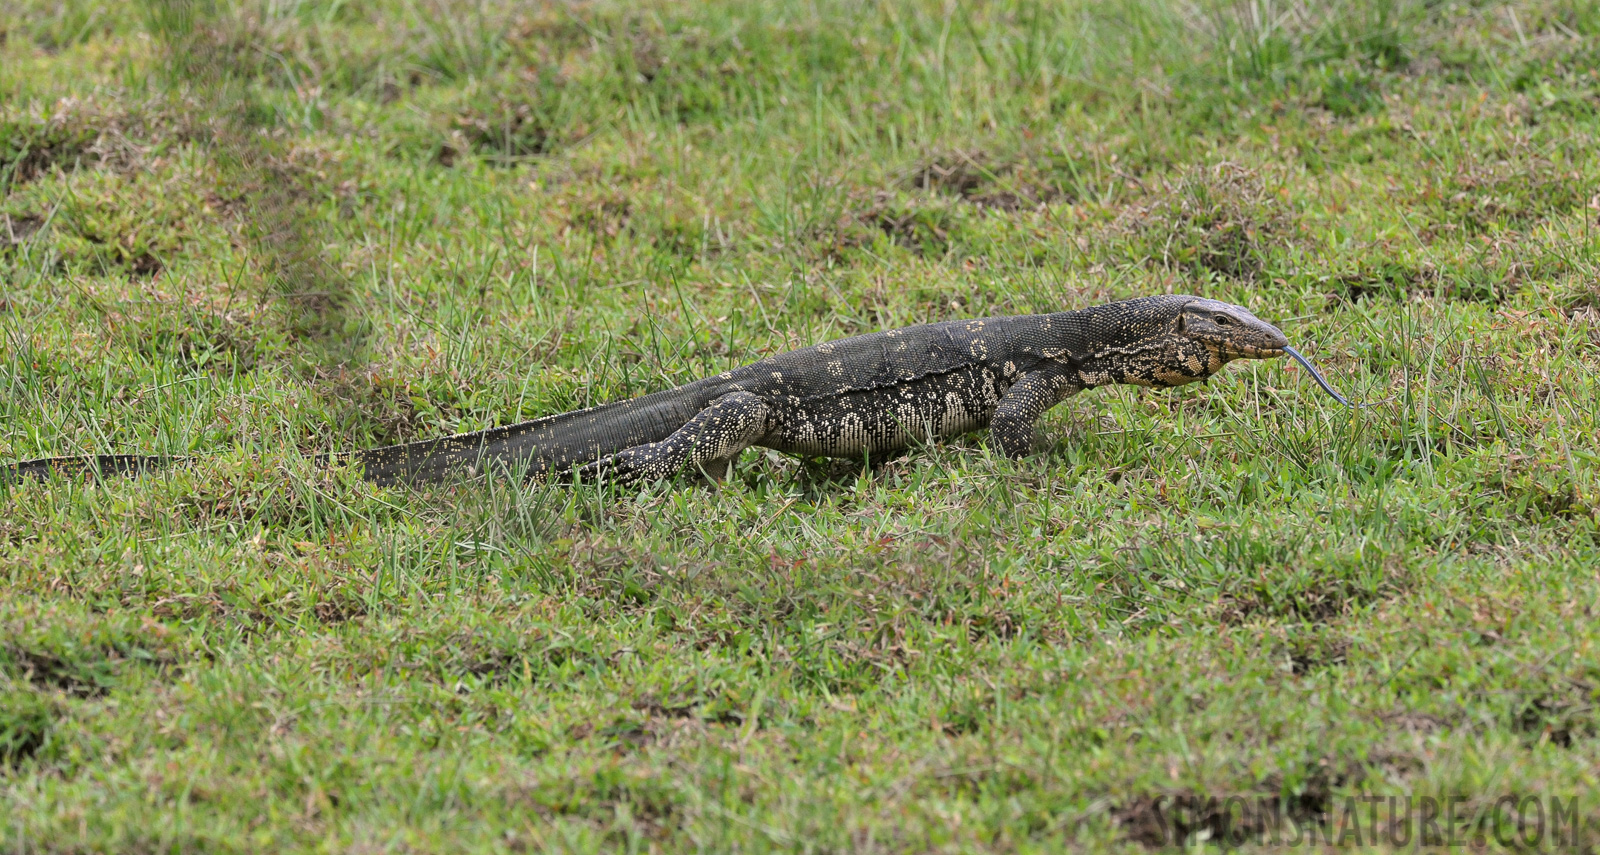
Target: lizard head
1228 331
1176 339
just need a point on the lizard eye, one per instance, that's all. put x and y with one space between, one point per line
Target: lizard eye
1222 320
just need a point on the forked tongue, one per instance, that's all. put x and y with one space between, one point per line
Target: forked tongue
1316 375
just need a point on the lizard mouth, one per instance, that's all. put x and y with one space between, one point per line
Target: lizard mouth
1253 352
1247 351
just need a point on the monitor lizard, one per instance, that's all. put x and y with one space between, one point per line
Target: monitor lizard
865 395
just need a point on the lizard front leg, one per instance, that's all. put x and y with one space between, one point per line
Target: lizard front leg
708 442
1011 428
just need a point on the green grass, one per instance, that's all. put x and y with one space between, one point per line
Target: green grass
265 232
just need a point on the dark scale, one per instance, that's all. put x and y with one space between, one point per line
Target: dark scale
867 395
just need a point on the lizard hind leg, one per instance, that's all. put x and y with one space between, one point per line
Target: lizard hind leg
707 443
714 472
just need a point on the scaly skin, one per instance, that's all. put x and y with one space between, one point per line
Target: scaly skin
866 395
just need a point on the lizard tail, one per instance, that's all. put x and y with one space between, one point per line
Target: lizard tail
87 464
551 445
547 446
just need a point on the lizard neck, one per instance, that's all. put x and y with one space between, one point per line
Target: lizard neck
1161 361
